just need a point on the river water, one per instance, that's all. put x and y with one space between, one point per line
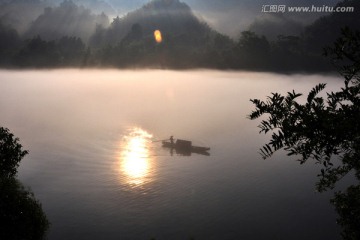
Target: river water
100 172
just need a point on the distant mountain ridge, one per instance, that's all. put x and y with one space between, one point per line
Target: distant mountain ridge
186 41
171 17
68 19
53 38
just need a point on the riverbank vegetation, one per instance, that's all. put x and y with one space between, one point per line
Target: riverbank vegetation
21 214
326 129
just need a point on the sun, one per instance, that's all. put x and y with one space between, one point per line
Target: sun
158 36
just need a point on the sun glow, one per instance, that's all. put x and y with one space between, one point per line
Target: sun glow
157 36
135 157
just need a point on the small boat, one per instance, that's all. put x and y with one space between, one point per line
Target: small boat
185 147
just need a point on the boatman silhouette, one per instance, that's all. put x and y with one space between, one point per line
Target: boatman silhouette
172 140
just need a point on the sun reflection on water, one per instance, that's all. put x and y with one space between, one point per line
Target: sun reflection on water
136 163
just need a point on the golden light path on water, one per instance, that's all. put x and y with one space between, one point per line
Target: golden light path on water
136 163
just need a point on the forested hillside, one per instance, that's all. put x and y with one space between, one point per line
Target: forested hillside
71 35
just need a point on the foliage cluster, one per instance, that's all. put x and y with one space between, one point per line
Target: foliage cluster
347 206
320 128
11 153
21 215
326 129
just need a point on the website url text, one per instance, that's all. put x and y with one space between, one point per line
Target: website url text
312 9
